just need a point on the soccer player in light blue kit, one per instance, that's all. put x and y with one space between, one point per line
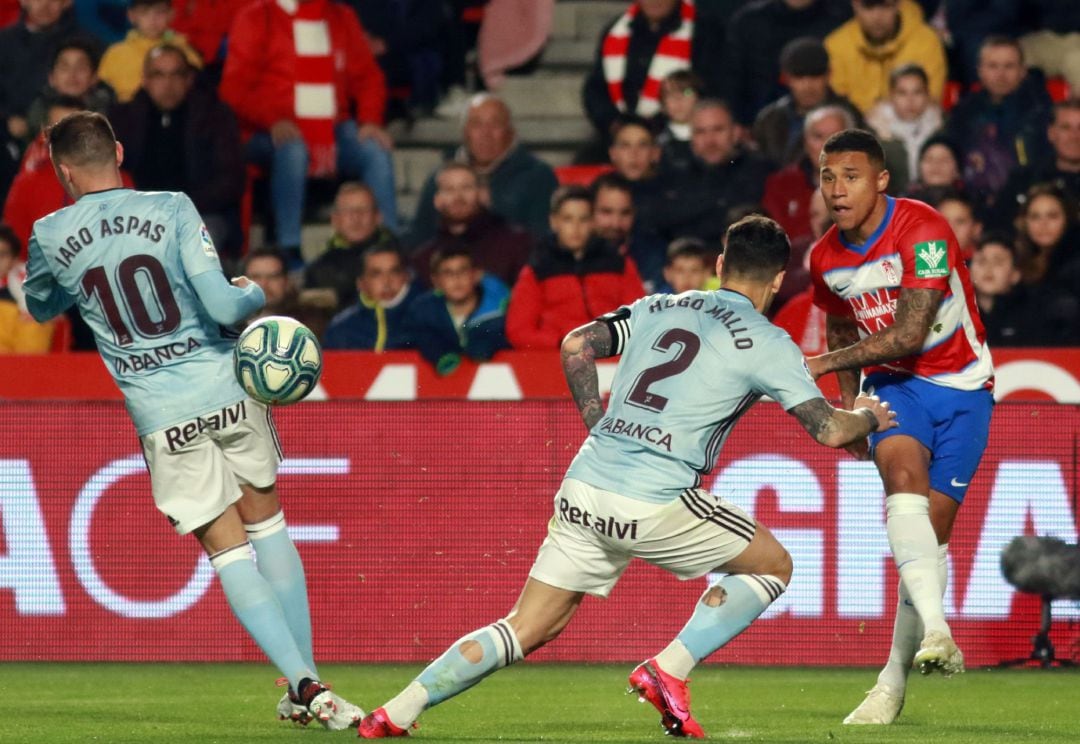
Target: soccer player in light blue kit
147 280
691 365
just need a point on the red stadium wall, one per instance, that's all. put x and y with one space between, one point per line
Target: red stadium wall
418 521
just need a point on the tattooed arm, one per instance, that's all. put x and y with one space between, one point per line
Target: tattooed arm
580 350
834 427
915 312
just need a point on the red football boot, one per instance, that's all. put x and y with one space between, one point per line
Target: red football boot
669 696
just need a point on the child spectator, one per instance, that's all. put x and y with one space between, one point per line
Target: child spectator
72 72
679 94
463 316
122 65
19 333
957 208
377 321
687 266
938 169
573 277
908 115
1003 303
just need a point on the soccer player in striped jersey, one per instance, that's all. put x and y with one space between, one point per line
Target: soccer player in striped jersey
691 365
900 307
148 282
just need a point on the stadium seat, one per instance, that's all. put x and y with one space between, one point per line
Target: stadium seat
1058 88
580 175
951 94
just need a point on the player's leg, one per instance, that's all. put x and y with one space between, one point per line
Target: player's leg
540 614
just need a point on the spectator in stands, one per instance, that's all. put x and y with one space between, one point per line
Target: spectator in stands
687 266
26 50
462 316
19 332
635 155
641 47
496 246
697 201
178 137
1062 168
358 227
778 128
573 277
72 72
938 169
512 34
969 22
614 221
798 315
1002 125
377 321
122 65
788 191
908 116
267 268
519 185
1005 305
300 117
757 34
957 208
883 35
1055 46
679 94
205 24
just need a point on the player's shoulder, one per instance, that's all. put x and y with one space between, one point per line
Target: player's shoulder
825 246
912 213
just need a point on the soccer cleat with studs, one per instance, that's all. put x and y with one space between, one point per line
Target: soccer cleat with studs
289 708
881 707
668 695
332 711
377 725
938 653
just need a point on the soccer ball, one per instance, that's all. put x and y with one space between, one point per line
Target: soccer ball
277 360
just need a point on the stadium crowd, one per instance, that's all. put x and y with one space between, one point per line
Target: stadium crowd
703 112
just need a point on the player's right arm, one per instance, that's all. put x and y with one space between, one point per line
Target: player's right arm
604 337
835 427
45 298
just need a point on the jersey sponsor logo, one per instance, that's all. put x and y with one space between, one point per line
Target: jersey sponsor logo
207 242
874 310
651 434
606 526
155 357
179 435
931 259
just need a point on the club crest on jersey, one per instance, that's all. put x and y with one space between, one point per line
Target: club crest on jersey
207 242
889 271
931 259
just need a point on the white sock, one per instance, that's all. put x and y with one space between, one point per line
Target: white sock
676 660
915 550
908 630
407 706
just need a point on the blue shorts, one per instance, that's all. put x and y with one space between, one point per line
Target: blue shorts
953 424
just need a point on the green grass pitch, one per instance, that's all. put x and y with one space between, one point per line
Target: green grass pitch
234 703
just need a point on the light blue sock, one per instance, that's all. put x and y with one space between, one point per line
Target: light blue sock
453 672
279 563
258 610
711 626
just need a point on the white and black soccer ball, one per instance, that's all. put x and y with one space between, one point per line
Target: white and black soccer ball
277 360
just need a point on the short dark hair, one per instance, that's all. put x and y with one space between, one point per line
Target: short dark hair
687 248
84 138
441 256
375 250
998 238
911 69
59 100
804 57
757 249
714 103
856 140
1001 40
568 193
686 78
9 236
78 43
137 3
610 180
937 198
622 121
456 165
265 252
1069 104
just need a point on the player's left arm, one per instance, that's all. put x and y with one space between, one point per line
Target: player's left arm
45 298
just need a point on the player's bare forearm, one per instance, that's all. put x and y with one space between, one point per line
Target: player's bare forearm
915 311
580 350
834 427
841 332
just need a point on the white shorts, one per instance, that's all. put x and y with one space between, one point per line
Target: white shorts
595 533
196 467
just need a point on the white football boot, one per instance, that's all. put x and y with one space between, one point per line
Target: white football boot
938 653
882 706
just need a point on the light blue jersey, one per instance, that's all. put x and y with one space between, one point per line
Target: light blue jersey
691 365
129 258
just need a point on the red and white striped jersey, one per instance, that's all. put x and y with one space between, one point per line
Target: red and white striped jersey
914 247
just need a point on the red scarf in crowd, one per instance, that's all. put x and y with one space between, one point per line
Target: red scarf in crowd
672 53
314 98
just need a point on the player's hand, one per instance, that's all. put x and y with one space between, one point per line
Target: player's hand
284 131
886 418
377 133
241 282
816 367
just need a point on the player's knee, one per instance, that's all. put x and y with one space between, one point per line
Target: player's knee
784 566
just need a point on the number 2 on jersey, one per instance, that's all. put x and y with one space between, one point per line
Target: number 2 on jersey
96 282
689 346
